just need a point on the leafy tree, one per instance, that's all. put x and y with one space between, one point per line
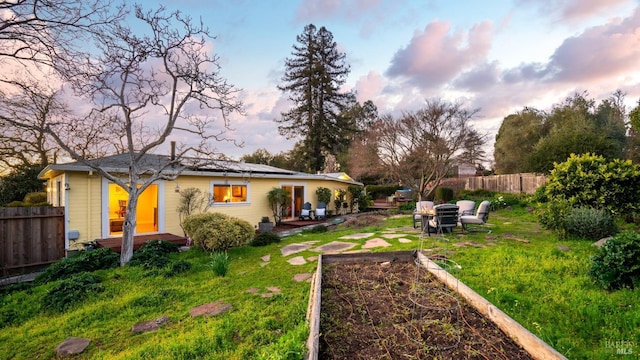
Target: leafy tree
260 156
634 134
532 141
577 127
313 78
22 180
516 139
420 148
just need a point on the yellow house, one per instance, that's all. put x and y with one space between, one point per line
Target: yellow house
94 206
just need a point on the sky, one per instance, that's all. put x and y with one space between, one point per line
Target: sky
497 58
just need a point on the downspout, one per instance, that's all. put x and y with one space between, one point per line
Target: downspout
89 206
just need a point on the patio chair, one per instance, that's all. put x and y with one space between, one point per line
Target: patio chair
305 212
445 219
480 218
421 207
321 211
465 207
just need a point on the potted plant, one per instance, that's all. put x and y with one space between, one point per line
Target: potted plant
265 225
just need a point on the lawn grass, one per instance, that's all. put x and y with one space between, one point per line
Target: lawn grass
520 269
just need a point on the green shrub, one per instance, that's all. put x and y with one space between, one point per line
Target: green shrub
178 267
540 195
153 254
592 181
216 231
219 263
35 198
502 201
265 238
102 258
381 191
71 291
589 223
315 230
616 265
553 216
407 206
444 194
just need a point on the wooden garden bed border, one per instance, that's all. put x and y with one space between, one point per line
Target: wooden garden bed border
537 348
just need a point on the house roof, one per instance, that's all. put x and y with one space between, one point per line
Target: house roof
120 164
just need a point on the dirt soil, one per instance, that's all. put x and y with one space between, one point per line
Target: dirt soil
400 311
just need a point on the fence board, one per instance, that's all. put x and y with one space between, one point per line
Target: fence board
31 236
510 183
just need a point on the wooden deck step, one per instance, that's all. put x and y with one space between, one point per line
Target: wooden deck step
116 243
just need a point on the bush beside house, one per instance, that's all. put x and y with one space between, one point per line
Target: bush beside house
217 231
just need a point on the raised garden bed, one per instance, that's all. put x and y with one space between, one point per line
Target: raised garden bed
384 306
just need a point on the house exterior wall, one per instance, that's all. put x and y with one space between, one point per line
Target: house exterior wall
84 201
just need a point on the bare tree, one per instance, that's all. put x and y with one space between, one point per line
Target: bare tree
420 147
24 112
145 86
40 31
38 37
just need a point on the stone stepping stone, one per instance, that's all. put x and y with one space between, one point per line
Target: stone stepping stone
404 240
392 236
295 248
357 236
298 260
563 248
312 258
302 277
377 242
274 289
151 325
252 290
72 346
210 309
266 258
334 246
263 264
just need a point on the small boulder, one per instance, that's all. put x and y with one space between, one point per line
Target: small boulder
601 242
151 325
210 309
72 346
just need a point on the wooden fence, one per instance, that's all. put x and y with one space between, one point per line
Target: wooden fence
31 236
512 183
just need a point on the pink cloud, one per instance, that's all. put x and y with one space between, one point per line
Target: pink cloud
608 50
370 86
573 10
436 55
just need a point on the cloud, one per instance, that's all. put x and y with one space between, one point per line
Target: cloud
573 10
607 50
436 55
479 78
599 52
326 9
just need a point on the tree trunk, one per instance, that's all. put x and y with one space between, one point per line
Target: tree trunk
129 228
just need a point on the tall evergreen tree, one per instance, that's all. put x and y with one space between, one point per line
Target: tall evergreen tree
313 77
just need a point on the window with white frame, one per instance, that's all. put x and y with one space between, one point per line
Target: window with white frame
229 193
